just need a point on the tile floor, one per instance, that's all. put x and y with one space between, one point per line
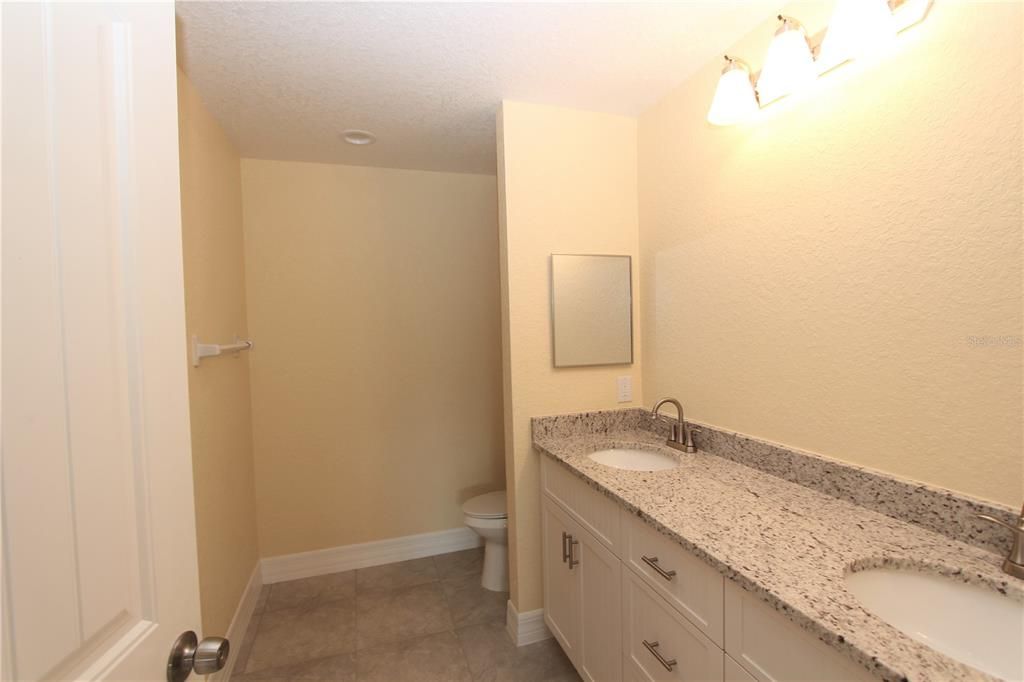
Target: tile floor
422 620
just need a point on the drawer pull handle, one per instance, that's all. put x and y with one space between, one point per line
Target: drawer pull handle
573 561
653 648
565 546
652 561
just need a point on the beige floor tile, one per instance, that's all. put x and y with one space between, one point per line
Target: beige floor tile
310 591
400 614
471 604
333 669
492 657
458 564
396 576
434 658
299 635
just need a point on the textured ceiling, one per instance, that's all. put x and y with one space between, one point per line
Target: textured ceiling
284 78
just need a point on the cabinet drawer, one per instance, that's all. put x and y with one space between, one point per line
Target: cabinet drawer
771 647
687 583
595 512
685 653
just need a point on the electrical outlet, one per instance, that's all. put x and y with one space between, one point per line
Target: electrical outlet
625 386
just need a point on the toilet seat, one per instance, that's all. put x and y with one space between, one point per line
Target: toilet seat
486 506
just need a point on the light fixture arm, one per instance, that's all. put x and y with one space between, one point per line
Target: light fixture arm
735 63
789 24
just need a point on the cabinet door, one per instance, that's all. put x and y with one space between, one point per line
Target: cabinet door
561 588
659 643
598 572
771 647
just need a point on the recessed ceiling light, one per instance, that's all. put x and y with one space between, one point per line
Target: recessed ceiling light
358 137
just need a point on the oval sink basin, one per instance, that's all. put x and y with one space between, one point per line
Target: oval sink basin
634 460
970 623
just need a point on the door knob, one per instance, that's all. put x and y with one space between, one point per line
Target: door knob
188 654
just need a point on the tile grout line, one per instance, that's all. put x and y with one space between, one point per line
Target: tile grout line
317 602
458 640
465 656
451 619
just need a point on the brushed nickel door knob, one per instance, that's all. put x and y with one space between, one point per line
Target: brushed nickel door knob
188 654
211 655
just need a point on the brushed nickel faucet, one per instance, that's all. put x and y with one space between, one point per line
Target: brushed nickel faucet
682 436
1014 563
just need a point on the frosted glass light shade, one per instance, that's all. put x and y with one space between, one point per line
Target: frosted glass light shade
858 27
734 101
788 67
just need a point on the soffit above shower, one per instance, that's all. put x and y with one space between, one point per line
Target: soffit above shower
285 78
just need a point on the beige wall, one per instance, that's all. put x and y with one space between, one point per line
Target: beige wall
814 278
373 304
567 184
211 217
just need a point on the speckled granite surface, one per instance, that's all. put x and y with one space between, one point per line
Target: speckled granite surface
789 543
930 507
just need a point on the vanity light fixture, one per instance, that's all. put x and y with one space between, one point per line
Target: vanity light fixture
793 62
358 137
735 100
858 28
789 66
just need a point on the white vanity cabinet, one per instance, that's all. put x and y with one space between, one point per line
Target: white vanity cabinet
689 585
658 643
771 647
561 589
628 603
582 583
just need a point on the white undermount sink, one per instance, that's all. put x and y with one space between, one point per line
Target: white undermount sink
970 623
634 460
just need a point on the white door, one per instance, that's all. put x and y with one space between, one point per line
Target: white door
99 533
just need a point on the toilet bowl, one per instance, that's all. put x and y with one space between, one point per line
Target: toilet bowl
488 517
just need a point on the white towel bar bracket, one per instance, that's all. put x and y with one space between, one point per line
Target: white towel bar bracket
208 350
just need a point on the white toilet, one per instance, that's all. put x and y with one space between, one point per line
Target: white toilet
487 515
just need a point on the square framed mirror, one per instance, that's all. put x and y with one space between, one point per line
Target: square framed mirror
591 310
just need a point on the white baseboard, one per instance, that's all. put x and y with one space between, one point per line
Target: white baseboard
347 557
525 628
240 623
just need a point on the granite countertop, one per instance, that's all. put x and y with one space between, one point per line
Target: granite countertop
790 544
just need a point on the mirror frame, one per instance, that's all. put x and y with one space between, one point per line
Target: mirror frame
551 304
